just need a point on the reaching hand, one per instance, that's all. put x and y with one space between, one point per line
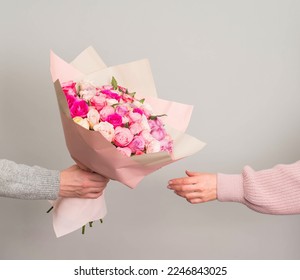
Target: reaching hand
196 188
75 182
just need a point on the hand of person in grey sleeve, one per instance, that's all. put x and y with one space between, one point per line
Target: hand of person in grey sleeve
26 182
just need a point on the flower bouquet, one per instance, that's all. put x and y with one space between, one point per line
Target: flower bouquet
115 125
123 120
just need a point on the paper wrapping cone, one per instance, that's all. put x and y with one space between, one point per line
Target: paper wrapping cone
91 150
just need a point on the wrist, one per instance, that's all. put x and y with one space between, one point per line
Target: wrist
230 187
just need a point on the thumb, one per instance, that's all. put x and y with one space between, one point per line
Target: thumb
191 173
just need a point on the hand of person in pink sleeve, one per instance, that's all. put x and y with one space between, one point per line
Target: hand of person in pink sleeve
196 187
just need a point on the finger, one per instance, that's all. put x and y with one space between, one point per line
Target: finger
94 184
194 195
189 195
91 190
184 188
191 173
183 181
182 194
195 200
97 177
92 195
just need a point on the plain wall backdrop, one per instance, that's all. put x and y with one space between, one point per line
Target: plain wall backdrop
237 62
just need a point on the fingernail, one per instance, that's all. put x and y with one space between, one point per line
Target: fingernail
169 187
170 182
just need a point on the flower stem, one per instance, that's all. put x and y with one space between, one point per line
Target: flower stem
50 209
101 221
91 224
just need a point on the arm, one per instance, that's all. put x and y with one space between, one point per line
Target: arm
271 191
25 182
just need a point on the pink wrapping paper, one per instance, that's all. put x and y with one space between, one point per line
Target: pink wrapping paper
91 150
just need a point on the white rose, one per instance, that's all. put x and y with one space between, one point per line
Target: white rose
111 102
144 123
137 104
93 117
147 136
125 120
82 122
147 108
86 85
153 147
106 129
87 94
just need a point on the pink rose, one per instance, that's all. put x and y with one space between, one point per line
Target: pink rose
135 128
138 110
127 98
123 136
79 109
98 102
147 136
115 119
137 144
158 133
106 129
155 124
134 117
122 110
113 94
125 151
105 112
70 99
166 145
69 88
106 87
122 89
138 152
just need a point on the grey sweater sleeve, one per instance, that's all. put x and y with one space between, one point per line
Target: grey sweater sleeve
25 182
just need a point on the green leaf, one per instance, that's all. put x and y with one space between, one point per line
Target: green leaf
132 94
115 105
114 83
157 116
142 100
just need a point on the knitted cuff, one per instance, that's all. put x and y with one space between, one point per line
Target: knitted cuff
230 188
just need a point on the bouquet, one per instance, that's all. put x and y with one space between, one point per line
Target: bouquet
123 120
115 125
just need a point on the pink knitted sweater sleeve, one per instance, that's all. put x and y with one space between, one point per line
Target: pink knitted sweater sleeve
271 191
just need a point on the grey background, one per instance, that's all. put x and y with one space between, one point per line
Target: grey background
237 61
